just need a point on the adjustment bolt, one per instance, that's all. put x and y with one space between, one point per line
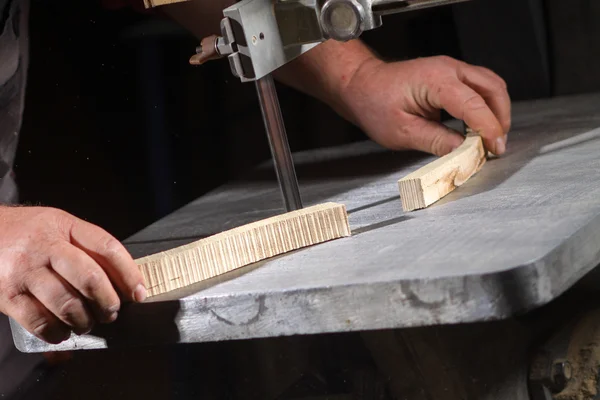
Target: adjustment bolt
342 20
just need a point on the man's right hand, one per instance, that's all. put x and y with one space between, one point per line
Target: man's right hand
60 274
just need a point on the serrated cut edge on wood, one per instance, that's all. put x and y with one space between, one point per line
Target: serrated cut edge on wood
227 251
434 181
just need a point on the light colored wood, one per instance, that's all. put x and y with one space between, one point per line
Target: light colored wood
156 3
230 250
429 184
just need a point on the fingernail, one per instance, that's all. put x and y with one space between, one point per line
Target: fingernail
113 317
140 293
500 146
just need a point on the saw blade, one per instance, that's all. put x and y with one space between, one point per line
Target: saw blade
280 148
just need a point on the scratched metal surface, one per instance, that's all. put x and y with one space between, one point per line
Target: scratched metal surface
513 238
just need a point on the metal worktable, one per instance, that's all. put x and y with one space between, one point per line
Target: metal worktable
513 238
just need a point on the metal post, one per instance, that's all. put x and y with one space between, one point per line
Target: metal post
280 148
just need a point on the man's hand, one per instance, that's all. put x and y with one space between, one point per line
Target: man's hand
57 273
398 104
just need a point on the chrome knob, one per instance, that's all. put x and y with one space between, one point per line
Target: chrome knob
342 20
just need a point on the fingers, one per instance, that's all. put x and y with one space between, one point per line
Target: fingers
58 273
60 299
493 90
37 319
466 104
110 254
88 278
433 137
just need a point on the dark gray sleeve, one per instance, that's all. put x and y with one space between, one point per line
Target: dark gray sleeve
15 367
14 49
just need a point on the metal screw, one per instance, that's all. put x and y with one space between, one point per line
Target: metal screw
562 372
342 20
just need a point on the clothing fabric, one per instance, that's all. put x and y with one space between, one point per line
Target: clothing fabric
13 69
15 367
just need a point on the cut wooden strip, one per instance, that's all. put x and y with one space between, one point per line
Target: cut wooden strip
429 184
156 3
227 251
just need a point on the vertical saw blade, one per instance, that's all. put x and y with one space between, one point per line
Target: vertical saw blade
280 148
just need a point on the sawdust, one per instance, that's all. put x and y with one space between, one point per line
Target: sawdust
584 356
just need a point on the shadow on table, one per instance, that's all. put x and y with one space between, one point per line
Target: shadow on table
346 168
542 139
356 165
334 170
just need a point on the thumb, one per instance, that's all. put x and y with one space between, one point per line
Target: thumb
436 138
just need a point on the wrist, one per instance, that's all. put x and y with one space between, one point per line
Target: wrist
326 72
351 85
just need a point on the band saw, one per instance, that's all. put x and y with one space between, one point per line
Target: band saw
260 36
481 294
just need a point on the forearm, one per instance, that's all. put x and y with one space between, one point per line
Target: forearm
397 104
324 71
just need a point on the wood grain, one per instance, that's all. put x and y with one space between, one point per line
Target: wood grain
156 3
227 251
429 184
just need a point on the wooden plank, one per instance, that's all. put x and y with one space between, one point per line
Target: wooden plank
429 184
230 250
156 3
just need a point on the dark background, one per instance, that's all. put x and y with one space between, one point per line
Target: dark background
120 130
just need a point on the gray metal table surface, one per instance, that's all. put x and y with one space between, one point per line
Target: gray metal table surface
513 238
